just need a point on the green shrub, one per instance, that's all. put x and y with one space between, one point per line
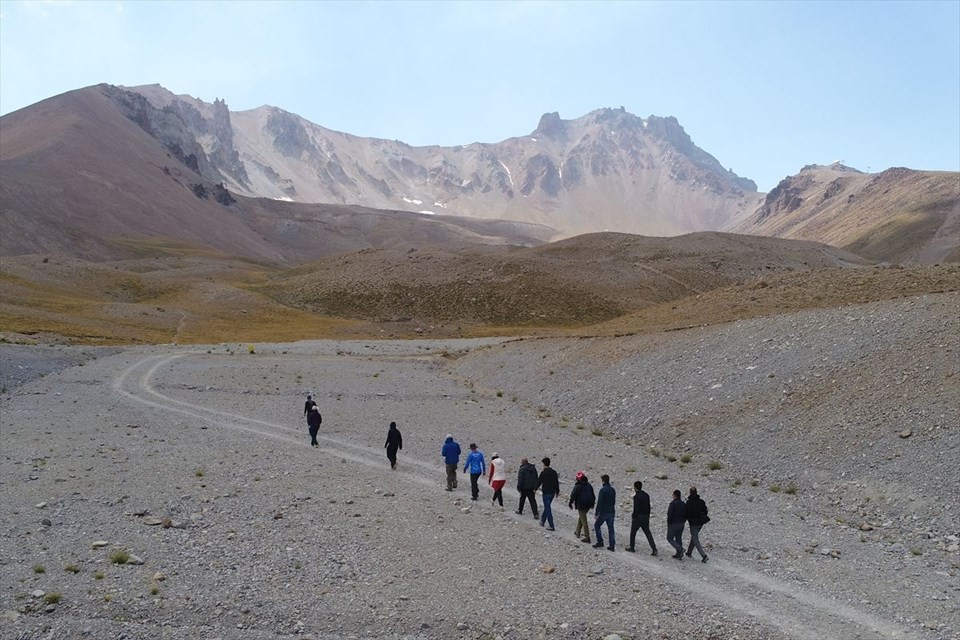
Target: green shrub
672 458
715 465
98 575
52 598
39 568
775 488
686 458
791 489
119 556
72 568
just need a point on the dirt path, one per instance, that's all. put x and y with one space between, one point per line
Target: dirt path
794 611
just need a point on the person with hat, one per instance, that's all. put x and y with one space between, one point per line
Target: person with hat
313 422
583 498
476 465
498 477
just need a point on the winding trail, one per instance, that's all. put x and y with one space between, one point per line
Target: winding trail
787 607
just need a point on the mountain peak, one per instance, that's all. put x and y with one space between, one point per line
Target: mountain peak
551 126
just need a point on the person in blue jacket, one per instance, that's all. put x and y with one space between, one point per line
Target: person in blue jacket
451 458
477 467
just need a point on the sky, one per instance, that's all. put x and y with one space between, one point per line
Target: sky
765 87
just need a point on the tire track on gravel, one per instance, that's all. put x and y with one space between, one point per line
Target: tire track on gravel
786 607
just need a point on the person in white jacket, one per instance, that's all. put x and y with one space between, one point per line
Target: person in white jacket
498 477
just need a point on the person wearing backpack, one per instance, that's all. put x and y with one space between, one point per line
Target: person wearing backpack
313 422
527 483
697 517
582 498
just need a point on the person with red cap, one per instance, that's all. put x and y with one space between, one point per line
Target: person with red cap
583 498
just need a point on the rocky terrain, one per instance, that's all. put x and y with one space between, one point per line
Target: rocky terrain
898 215
171 491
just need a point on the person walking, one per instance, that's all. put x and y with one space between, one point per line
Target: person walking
582 498
676 518
697 517
393 443
498 477
606 512
527 483
309 404
314 419
451 458
477 467
640 519
549 483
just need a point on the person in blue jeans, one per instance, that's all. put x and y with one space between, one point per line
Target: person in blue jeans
549 488
477 467
606 512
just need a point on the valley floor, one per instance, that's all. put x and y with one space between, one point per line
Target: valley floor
271 538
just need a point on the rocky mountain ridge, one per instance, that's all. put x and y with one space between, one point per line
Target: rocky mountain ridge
606 170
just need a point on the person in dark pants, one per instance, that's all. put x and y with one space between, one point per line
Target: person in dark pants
309 404
451 459
477 467
606 512
640 519
676 518
393 443
697 517
549 487
527 483
313 422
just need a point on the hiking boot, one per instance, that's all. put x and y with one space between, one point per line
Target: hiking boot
519 513
677 556
599 545
610 549
704 560
630 549
448 489
654 552
587 540
552 529
689 553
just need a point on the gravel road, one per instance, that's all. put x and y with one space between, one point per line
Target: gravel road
196 463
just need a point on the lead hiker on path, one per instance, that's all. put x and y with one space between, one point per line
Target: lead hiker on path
477 467
606 512
498 477
549 487
313 422
697 517
393 443
640 519
451 458
583 498
676 518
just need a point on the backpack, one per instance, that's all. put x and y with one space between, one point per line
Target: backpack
587 497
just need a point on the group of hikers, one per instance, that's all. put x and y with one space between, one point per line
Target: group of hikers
582 497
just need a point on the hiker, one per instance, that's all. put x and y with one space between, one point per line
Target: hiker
498 477
583 498
393 443
477 467
309 404
697 517
313 422
606 512
549 487
451 458
527 482
640 519
676 518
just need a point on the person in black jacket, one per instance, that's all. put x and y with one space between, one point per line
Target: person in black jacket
527 482
583 498
393 443
697 517
606 512
313 422
549 488
676 518
309 404
641 517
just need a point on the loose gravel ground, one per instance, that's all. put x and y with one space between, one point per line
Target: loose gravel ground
196 462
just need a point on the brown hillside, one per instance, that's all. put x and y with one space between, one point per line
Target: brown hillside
897 216
579 281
